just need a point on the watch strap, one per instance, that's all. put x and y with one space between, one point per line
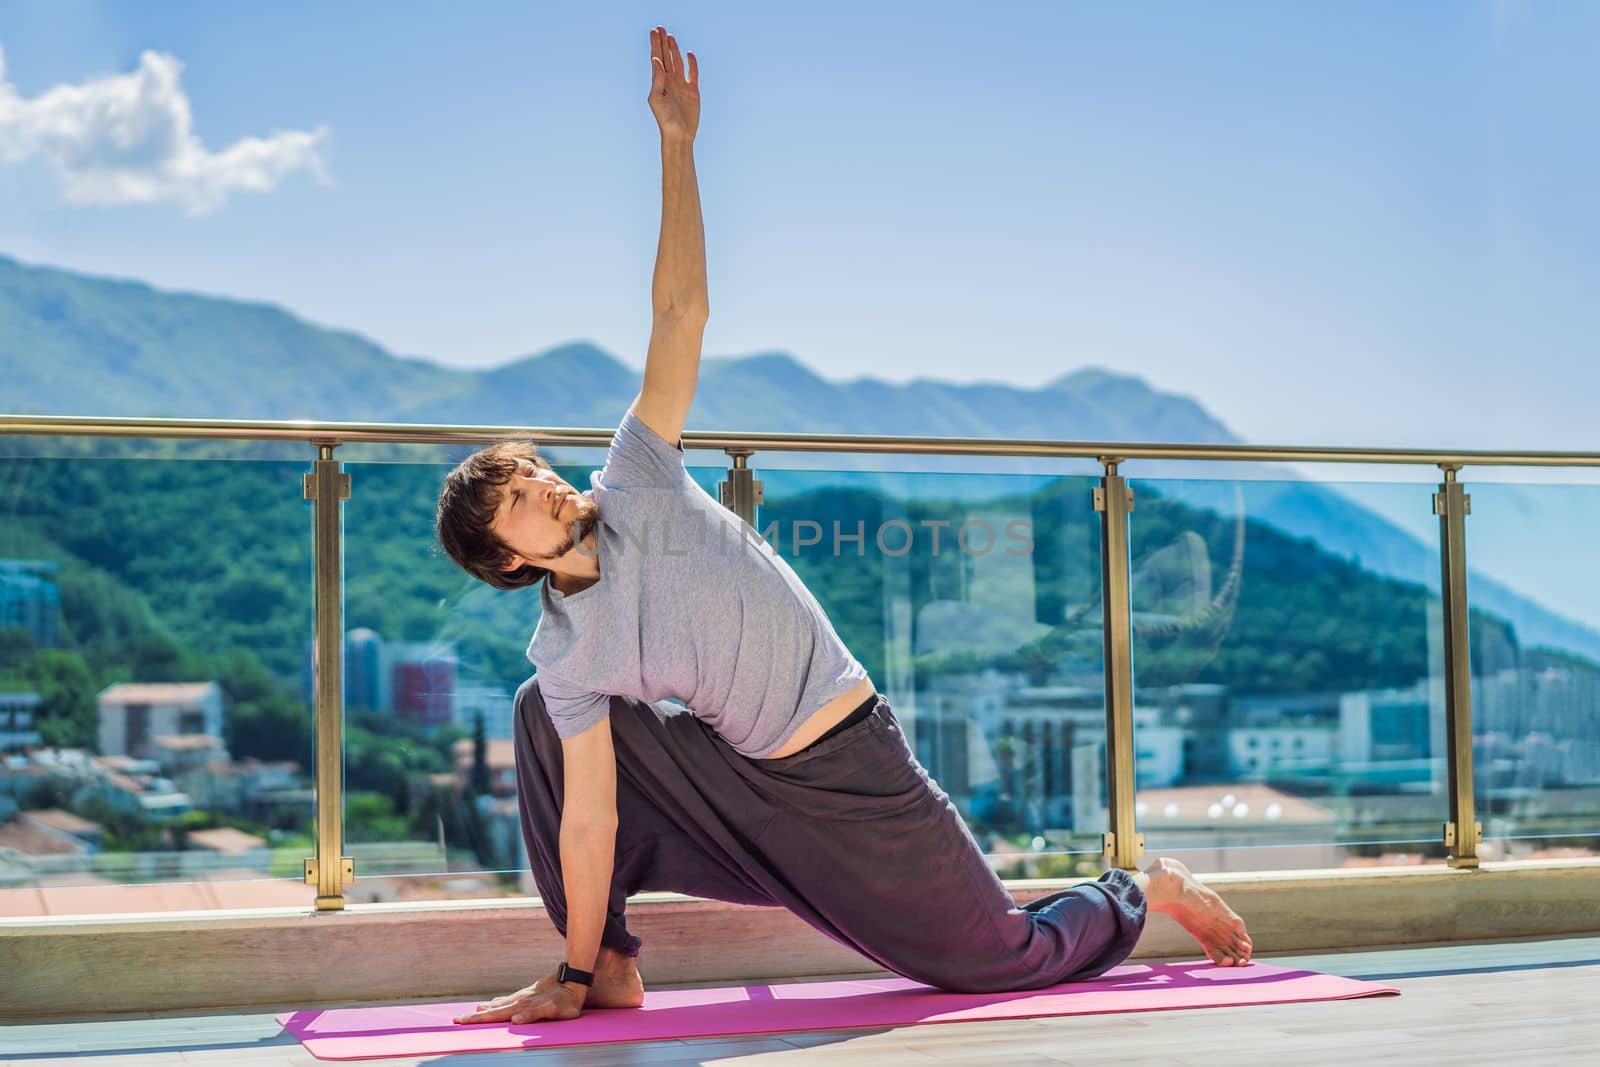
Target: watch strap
565 974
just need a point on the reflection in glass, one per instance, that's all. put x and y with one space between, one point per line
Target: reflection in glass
973 602
433 659
1535 668
1288 688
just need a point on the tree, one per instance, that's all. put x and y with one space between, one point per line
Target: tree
479 784
51 792
264 719
67 716
16 646
371 817
464 826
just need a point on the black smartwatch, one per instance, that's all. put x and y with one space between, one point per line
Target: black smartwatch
565 974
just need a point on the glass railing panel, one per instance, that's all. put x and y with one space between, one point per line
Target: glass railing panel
433 659
972 598
1289 700
154 604
989 653
1535 635
1288 704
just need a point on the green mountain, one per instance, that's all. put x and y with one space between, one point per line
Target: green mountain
76 345
72 344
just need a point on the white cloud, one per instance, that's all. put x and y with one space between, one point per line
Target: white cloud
129 139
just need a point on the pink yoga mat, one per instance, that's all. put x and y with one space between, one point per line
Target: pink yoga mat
427 1029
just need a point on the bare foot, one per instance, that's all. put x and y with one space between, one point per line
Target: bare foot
1199 910
616 982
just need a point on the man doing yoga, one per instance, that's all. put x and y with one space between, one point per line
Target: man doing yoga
785 779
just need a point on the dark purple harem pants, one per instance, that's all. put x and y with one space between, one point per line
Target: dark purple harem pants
851 835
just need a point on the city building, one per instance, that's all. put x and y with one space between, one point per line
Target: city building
1158 752
248 787
1536 728
1394 736
423 682
132 785
1238 827
17 731
52 836
66 825
247 850
133 715
366 679
366 670
501 758
1260 752
495 704
19 775
29 599
990 736
177 753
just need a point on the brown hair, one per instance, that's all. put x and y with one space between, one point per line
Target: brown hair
467 504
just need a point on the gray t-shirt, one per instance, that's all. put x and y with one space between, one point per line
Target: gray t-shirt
691 605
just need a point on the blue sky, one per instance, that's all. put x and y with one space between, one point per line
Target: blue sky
1355 223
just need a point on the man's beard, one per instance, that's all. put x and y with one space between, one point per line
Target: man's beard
582 525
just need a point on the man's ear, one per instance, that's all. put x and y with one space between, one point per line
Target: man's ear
514 563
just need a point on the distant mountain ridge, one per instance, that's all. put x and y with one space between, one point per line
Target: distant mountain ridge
77 345
73 344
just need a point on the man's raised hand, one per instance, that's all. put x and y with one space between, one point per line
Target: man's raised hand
674 89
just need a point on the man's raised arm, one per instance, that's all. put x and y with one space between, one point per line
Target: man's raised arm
678 292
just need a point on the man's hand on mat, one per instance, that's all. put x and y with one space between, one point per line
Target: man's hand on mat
541 1001
617 984
543 985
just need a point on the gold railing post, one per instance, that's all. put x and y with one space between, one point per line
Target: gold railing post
1463 832
327 487
1124 845
741 493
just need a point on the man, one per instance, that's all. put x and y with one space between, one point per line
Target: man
785 779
